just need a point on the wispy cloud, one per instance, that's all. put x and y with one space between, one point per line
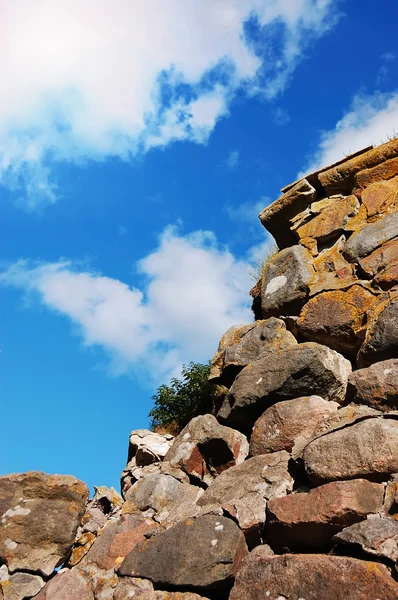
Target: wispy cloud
281 116
232 160
90 79
248 211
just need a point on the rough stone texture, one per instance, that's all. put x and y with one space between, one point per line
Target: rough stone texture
380 259
131 587
285 282
243 491
204 448
387 278
148 447
384 171
312 577
170 499
306 369
381 340
331 221
167 596
275 217
19 586
341 178
366 240
285 423
308 521
337 319
376 386
203 554
240 346
332 271
67 585
366 449
380 197
40 517
391 497
376 535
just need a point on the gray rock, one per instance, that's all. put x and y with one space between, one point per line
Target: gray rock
40 517
366 449
243 491
288 423
376 386
285 282
381 341
376 535
204 449
19 586
66 585
371 237
202 554
306 369
132 587
148 447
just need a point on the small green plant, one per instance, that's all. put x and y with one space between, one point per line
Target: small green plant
257 270
177 403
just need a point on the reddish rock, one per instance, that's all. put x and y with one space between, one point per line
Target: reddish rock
380 197
308 521
337 319
384 171
380 259
332 220
157 595
387 278
376 386
332 271
312 576
285 423
67 585
366 449
376 535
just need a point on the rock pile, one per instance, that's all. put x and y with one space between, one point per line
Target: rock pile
288 488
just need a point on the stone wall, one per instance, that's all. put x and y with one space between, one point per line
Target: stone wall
288 487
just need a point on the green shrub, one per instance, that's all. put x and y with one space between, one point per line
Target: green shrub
177 403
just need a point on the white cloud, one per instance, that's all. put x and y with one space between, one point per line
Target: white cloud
88 79
232 160
281 116
371 119
194 290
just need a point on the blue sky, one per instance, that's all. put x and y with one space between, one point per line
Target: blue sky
138 142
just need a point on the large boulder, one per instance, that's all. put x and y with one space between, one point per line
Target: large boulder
381 341
286 423
201 554
243 491
40 517
338 318
376 535
204 448
368 449
285 282
376 386
67 585
148 447
308 521
368 238
19 586
306 369
312 577
239 346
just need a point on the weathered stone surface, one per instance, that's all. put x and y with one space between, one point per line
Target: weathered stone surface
341 178
275 217
203 554
375 386
285 282
240 346
381 340
308 521
337 319
204 448
67 585
284 423
366 449
19 586
380 197
243 491
132 587
131 474
381 258
391 497
40 517
306 369
331 221
376 535
366 240
168 596
148 447
312 577
170 499
387 278
332 271
383 171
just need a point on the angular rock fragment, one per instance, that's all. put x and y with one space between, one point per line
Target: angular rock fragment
332 271
308 521
376 386
285 423
40 515
381 341
391 497
131 587
204 448
67 585
148 447
131 474
376 535
306 369
380 259
19 586
386 170
337 319
366 240
202 554
285 282
380 197
366 449
312 576
167 596
387 278
240 346
331 221
243 491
